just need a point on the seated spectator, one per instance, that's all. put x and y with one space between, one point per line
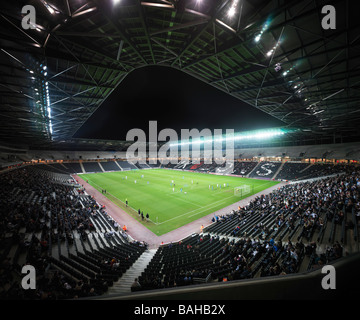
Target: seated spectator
135 285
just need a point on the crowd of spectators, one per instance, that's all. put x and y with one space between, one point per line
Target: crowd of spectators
292 170
325 169
244 167
38 213
51 211
304 205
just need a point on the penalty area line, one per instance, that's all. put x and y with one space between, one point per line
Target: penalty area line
204 208
211 204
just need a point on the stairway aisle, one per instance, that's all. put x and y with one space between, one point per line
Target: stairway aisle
123 285
259 163
278 170
101 167
118 165
82 167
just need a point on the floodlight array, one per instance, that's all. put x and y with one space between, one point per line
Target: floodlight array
38 75
265 134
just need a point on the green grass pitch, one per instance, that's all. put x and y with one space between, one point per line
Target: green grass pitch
172 198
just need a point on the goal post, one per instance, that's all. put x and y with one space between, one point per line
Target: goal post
242 190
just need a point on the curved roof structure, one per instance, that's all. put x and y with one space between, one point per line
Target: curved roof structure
276 56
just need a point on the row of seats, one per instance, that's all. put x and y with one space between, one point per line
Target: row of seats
64 232
295 210
272 235
89 166
54 225
263 170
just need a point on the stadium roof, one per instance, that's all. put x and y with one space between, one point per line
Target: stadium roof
274 55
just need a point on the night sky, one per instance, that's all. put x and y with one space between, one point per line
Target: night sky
175 100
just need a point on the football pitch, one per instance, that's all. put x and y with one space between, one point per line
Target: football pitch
172 198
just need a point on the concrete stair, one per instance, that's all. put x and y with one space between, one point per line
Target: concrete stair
306 167
101 167
119 166
123 285
82 167
253 170
278 170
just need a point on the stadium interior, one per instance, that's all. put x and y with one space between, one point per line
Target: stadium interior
273 55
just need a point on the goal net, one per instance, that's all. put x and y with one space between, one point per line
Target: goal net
242 190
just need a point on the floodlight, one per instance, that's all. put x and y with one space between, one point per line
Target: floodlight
249 135
48 6
231 12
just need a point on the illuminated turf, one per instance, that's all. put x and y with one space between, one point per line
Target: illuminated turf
169 206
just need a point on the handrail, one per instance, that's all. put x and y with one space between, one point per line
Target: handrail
208 277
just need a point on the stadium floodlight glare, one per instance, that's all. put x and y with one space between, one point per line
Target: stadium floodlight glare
260 134
48 7
272 50
231 12
258 36
47 99
264 134
232 9
287 71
